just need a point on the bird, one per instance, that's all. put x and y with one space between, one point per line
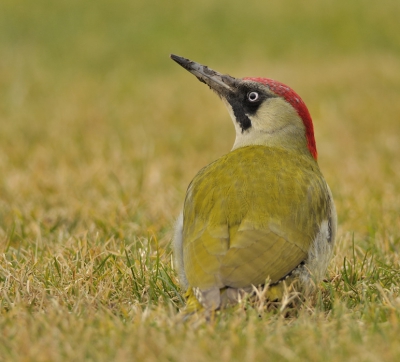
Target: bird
261 213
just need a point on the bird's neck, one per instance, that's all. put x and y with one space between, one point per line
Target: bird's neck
286 138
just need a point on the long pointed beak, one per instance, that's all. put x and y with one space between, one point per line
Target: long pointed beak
223 84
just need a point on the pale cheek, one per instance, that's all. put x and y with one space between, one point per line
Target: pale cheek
274 116
264 120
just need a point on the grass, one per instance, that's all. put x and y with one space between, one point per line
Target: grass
101 134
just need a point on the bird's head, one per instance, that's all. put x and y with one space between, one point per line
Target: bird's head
264 111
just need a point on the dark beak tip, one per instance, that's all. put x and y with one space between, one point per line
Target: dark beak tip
216 81
178 59
183 62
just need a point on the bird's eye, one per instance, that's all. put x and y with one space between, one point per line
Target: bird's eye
252 96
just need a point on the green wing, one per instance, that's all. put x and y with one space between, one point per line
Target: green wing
252 214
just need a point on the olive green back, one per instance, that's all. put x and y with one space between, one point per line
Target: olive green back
251 214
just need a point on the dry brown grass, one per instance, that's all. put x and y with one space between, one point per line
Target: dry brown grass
101 134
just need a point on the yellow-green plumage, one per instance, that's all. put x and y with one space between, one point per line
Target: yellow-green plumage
261 212
246 211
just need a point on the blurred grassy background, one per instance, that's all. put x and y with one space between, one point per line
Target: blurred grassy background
100 134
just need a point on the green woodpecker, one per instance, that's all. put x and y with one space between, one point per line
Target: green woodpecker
261 212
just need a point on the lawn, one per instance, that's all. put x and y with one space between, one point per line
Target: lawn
100 134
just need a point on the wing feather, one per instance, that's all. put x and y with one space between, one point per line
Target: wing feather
240 229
